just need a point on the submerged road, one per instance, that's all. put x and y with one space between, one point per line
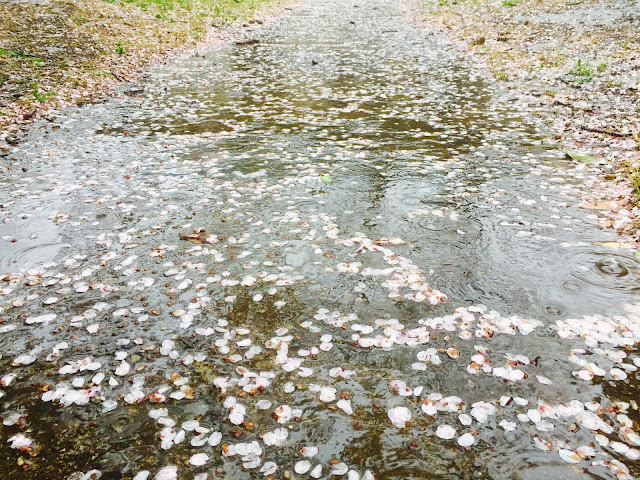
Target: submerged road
337 252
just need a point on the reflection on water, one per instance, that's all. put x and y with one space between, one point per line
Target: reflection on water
266 213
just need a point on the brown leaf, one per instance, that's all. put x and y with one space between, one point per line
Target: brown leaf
604 205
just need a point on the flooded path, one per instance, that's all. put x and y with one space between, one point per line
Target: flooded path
334 253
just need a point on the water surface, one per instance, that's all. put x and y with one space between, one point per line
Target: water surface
347 192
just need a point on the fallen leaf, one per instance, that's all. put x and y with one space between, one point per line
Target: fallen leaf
605 205
583 157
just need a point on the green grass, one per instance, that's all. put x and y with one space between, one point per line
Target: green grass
631 171
222 11
582 72
509 3
41 97
447 3
19 54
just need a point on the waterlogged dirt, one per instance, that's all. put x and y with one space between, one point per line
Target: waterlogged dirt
334 251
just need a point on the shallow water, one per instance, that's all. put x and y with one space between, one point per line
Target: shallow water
324 198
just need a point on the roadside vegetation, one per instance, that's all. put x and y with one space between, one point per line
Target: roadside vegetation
583 56
575 64
60 52
531 38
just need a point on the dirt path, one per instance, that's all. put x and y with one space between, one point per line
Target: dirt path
329 249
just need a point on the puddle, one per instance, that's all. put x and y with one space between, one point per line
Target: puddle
325 232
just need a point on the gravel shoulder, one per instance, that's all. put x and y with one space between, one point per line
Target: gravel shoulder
574 64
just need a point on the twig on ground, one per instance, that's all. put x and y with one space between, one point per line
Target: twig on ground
605 131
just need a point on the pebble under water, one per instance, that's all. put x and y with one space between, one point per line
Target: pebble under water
336 252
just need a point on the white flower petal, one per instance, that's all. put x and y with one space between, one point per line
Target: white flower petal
199 459
399 416
466 440
446 432
302 466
